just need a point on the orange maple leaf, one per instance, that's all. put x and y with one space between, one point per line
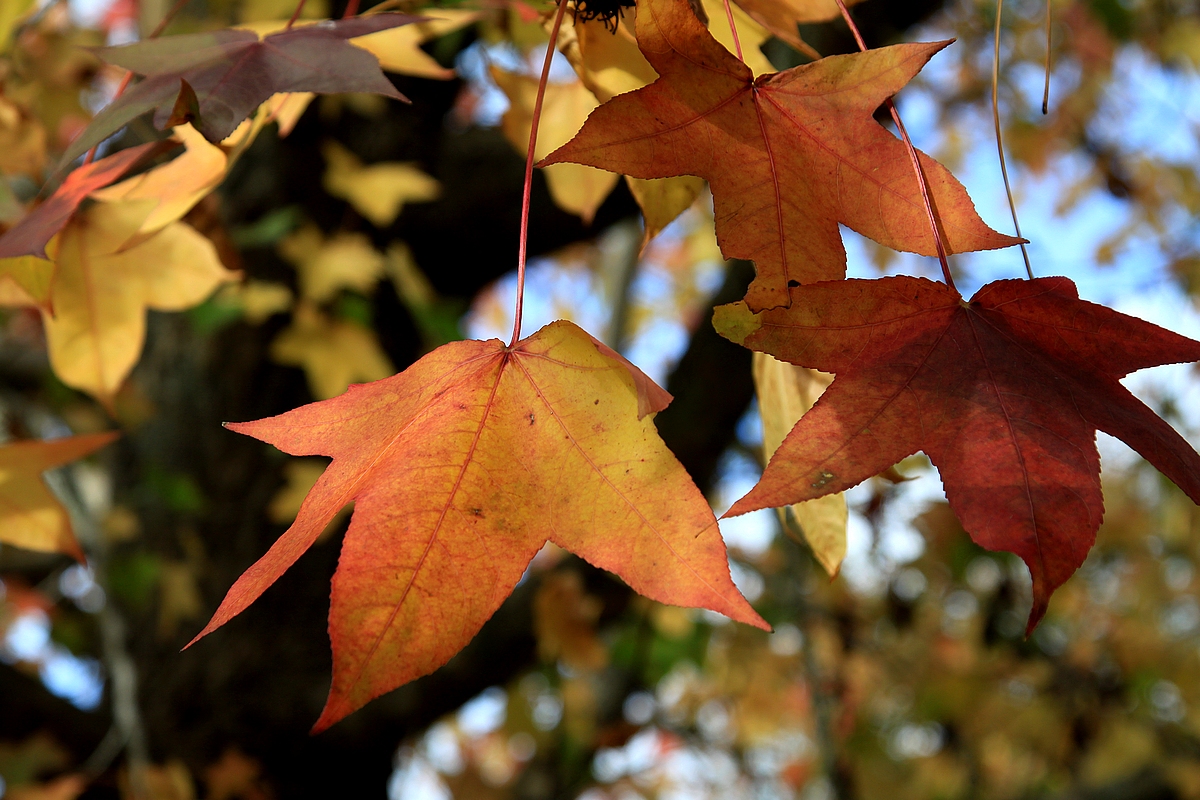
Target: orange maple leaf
788 155
460 469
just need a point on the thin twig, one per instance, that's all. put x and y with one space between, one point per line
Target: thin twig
1012 205
1049 38
912 154
351 9
737 44
523 244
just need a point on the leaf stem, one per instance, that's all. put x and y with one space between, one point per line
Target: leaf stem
1012 205
737 43
154 34
351 9
523 243
295 14
912 154
1049 41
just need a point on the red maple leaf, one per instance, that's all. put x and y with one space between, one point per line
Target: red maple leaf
788 155
30 236
1004 394
233 72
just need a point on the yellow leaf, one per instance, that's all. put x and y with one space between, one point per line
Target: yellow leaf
257 300
12 13
780 17
301 476
609 63
332 353
101 293
399 49
26 281
286 108
347 260
30 516
176 185
411 284
378 191
785 393
577 189
22 138
751 35
663 199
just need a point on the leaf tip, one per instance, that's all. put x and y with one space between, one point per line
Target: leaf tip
336 709
1040 604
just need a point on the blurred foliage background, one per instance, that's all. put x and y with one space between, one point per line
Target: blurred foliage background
374 231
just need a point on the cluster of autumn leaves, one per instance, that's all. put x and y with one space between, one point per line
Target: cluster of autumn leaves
468 462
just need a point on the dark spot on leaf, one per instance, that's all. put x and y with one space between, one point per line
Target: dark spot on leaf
477 512
531 418
793 283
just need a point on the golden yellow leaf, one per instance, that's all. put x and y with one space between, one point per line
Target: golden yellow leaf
301 476
609 63
257 300
751 35
780 17
399 49
176 185
344 261
22 138
101 293
411 284
577 189
286 109
785 393
663 199
26 281
332 353
30 516
12 13
378 191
